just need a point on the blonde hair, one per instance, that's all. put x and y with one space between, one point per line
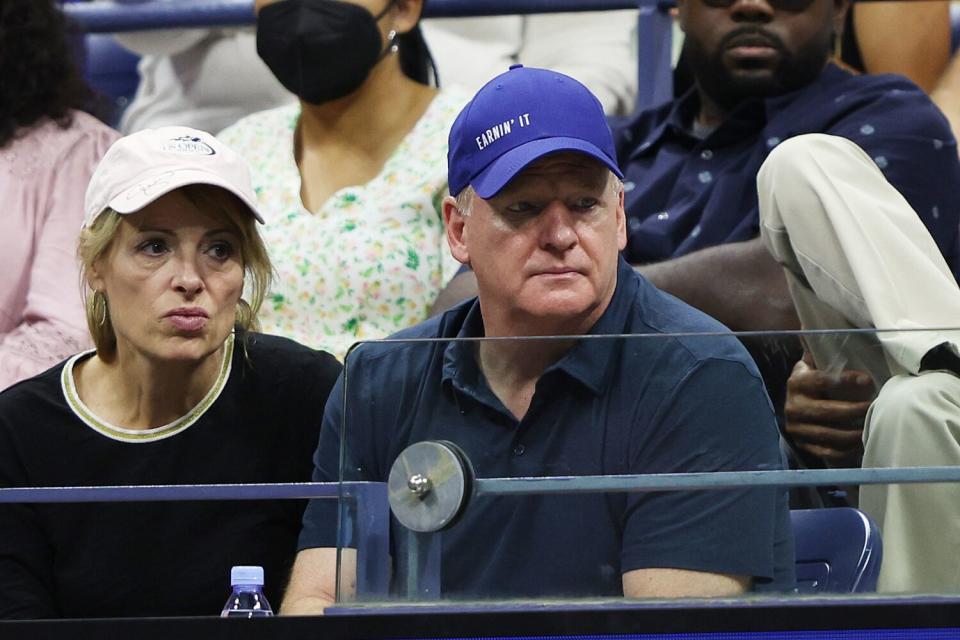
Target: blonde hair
97 239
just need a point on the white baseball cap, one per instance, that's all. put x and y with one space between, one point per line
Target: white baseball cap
139 168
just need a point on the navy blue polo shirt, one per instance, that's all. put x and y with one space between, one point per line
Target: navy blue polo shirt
684 193
646 405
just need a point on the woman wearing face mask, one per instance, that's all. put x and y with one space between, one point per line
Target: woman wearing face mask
351 178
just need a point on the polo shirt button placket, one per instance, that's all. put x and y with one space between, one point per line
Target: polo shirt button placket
519 450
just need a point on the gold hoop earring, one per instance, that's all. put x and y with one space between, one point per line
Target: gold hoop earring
100 299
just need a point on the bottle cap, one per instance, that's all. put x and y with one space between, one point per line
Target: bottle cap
246 575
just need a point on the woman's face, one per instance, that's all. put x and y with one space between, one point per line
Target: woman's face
173 276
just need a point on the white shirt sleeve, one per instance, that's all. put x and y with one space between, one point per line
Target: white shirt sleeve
597 47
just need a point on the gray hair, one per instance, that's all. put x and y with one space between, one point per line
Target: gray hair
467 194
465 200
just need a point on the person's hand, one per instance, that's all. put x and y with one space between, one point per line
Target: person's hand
825 412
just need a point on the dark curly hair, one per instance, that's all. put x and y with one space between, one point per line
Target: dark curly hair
416 62
40 78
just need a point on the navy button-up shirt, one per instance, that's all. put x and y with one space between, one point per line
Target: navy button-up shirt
608 406
684 193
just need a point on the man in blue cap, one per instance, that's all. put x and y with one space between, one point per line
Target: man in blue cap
538 215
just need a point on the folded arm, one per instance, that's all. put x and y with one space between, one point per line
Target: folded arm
750 295
738 283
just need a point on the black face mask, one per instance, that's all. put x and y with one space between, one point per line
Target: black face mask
320 50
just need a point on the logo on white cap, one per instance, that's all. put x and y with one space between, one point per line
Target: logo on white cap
188 144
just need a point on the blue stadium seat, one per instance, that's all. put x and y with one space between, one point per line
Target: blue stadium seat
955 35
111 71
837 550
955 27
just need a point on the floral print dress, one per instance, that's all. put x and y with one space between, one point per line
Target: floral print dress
373 258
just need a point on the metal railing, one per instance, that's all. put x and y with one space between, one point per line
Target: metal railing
654 27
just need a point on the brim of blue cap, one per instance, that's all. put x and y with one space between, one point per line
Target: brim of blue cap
498 173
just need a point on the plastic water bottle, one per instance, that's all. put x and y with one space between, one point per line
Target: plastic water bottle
247 599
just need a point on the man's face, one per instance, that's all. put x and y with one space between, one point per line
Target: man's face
740 49
546 246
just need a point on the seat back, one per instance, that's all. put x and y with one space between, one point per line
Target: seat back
837 550
954 27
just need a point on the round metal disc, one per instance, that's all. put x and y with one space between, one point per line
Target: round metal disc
429 485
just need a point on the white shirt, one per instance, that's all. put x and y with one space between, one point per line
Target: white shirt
210 78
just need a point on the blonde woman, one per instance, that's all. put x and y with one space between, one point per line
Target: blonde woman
178 390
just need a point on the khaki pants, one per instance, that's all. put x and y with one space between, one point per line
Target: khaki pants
857 256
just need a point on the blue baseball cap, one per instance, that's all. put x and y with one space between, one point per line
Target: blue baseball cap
519 117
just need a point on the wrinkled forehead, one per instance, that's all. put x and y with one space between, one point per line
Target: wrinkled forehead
190 206
566 168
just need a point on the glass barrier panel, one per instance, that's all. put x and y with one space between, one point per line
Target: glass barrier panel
622 470
101 550
561 469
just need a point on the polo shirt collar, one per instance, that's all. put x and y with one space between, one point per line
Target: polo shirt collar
751 114
590 362
460 367
681 112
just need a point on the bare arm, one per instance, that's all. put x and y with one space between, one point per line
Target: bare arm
313 582
738 283
909 38
681 583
